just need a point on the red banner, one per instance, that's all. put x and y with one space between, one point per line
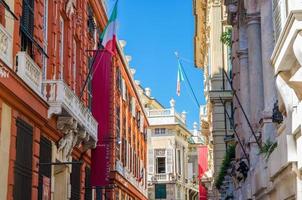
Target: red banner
202 168
101 99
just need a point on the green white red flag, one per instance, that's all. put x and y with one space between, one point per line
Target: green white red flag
109 34
180 77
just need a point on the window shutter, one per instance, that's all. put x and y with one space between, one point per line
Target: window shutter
44 170
133 107
27 19
91 24
151 160
88 189
23 163
75 181
124 91
142 123
169 156
279 14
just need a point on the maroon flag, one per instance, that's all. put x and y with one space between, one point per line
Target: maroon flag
101 99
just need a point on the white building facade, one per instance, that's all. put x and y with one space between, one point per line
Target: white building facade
172 171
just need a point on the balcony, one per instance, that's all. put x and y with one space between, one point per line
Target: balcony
29 72
64 102
5 47
165 117
163 177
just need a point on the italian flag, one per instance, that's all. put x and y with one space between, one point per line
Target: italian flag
180 78
109 34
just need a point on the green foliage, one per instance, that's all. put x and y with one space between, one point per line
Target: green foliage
226 37
267 148
229 155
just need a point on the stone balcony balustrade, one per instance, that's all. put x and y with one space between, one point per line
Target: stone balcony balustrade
5 46
165 116
75 120
65 104
29 72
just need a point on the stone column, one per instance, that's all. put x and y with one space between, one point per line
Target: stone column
255 67
245 131
244 81
269 89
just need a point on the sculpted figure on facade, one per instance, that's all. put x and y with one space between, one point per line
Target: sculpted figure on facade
70 7
68 126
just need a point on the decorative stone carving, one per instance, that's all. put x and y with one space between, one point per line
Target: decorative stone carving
66 144
68 126
287 95
74 136
277 115
70 7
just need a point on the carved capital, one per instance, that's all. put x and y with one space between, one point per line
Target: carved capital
252 18
242 53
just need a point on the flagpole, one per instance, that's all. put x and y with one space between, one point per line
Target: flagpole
89 72
195 98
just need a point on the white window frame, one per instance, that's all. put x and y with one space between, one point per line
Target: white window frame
45 39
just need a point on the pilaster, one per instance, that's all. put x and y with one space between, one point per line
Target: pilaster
255 67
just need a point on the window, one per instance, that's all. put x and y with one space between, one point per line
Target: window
90 22
75 181
124 152
138 119
118 79
160 191
88 189
44 170
124 90
178 162
117 194
117 126
161 165
27 26
61 47
160 131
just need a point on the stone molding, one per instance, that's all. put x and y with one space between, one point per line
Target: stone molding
252 18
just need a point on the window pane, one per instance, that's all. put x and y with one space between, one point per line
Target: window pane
161 165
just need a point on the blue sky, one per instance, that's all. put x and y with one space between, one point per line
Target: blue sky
154 30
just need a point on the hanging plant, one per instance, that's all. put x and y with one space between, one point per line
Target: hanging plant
226 37
267 148
229 155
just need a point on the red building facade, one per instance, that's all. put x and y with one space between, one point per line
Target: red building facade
46 126
47 129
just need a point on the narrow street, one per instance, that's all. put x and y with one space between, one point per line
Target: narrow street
158 100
